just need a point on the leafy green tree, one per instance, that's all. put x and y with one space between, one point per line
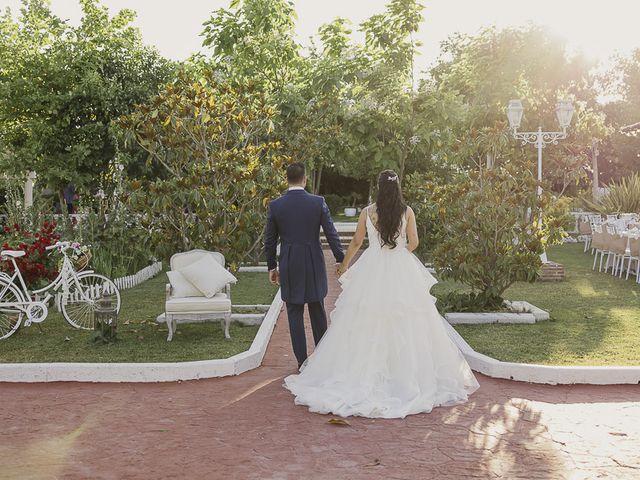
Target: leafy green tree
212 139
489 69
61 86
254 40
620 152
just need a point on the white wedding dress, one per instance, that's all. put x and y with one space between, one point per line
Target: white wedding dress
386 353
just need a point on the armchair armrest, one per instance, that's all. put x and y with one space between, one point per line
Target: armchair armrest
168 291
227 290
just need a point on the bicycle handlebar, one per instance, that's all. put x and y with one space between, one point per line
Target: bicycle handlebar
58 245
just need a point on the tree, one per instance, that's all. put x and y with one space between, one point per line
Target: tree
254 40
489 235
489 69
61 86
213 139
621 150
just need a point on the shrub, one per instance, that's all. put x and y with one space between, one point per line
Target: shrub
335 203
623 197
37 266
487 238
423 194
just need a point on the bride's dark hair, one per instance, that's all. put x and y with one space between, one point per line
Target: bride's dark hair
390 207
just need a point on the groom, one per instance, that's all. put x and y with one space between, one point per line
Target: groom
295 218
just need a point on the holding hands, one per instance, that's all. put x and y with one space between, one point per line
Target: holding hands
274 277
341 268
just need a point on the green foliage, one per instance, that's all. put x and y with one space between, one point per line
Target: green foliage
118 241
623 197
424 192
488 238
489 69
336 203
222 169
620 151
456 301
254 40
62 85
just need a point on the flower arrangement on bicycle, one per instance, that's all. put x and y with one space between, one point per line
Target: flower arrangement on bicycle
79 254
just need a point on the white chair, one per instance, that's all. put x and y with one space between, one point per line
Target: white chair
197 309
598 245
634 256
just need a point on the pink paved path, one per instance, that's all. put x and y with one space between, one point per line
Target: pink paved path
247 427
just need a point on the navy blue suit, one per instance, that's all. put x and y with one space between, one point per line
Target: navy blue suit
295 219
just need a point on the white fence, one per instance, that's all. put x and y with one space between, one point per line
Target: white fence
136 279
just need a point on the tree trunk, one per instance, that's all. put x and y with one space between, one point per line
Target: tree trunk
490 160
594 160
63 203
318 181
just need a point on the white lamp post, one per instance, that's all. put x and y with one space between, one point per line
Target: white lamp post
564 112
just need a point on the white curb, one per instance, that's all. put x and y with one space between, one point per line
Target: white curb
549 374
149 372
254 269
524 313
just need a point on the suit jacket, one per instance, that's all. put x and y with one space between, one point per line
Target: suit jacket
295 219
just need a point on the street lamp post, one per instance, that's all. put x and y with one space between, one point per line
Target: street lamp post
564 112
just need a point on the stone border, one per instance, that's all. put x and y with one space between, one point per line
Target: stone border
549 374
525 313
149 372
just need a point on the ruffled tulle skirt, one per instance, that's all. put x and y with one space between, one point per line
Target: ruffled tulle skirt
386 353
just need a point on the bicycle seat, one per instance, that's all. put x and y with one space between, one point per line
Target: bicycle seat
13 253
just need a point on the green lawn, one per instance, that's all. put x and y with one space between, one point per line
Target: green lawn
595 318
140 338
341 217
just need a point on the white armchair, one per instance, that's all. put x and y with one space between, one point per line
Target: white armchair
197 309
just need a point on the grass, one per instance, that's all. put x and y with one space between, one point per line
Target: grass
341 217
140 338
595 318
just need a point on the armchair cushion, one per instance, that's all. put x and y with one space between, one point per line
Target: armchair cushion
207 275
218 303
181 287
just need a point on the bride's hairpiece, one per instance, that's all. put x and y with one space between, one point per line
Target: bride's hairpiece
393 179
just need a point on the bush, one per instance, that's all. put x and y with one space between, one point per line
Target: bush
423 193
335 203
487 238
37 267
467 302
623 197
115 236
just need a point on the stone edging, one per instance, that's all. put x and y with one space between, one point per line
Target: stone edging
549 374
149 372
525 313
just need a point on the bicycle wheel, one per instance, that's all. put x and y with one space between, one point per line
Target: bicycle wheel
10 316
80 303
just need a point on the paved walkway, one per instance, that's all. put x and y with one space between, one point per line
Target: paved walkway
247 427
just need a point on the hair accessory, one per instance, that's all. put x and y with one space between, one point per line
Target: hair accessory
393 179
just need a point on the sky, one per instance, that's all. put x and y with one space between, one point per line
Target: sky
598 28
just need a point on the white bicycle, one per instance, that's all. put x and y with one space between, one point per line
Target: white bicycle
75 293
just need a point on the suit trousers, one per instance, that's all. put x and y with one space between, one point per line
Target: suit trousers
295 314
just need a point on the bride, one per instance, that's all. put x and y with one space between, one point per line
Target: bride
386 353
